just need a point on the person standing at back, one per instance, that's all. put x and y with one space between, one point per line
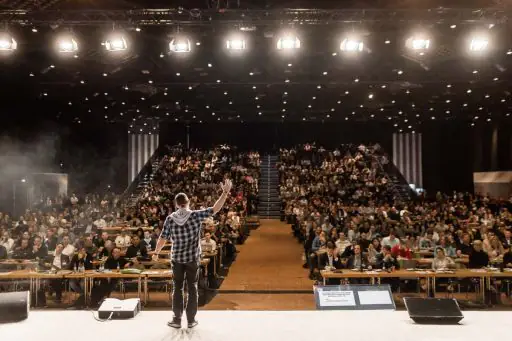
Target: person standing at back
183 229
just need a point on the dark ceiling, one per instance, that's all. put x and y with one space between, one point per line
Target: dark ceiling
385 82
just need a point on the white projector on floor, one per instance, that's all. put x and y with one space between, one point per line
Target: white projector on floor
112 308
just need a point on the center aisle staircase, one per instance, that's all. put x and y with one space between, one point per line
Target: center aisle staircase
269 202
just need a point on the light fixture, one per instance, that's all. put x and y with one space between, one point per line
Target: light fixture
478 44
116 43
235 44
288 42
418 43
351 45
7 42
180 45
67 44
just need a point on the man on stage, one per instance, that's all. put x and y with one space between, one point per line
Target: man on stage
183 229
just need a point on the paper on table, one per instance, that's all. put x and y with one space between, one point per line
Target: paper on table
372 297
335 298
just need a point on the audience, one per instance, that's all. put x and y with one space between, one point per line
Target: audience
345 196
87 231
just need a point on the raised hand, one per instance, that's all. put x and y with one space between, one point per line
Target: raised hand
226 186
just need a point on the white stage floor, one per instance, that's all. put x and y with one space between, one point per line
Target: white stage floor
257 325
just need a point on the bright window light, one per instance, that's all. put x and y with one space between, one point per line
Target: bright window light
117 43
288 43
478 44
235 44
67 45
180 46
7 43
351 45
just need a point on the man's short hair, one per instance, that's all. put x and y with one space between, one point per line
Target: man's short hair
330 245
181 200
386 247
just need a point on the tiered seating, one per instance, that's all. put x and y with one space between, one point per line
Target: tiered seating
95 226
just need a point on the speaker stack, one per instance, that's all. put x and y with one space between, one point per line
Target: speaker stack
14 306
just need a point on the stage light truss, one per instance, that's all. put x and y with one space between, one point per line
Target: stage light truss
254 17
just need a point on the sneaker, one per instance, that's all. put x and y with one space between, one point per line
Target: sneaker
192 324
175 323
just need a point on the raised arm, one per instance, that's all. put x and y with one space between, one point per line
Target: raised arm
226 187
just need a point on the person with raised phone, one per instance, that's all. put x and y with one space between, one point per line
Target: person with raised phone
183 229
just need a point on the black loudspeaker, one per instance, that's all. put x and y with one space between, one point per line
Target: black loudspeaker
433 310
14 306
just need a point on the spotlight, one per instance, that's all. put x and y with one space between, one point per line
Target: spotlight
288 43
351 45
67 45
116 43
478 44
7 42
235 44
418 43
180 46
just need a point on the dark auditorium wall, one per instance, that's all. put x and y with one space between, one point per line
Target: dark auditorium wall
267 136
452 151
93 154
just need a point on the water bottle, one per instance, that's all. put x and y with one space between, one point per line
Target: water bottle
102 267
118 267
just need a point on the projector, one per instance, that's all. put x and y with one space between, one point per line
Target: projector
112 308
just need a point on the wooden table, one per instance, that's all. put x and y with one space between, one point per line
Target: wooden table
484 275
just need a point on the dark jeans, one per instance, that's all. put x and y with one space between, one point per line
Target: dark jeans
190 273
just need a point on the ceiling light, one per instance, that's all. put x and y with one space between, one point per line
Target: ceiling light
116 43
453 26
67 45
324 73
387 42
351 45
137 29
288 43
468 91
478 44
209 65
495 79
449 86
235 44
180 45
418 43
475 71
370 96
356 80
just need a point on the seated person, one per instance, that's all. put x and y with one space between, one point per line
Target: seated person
441 262
330 261
105 286
24 251
358 259
81 258
478 258
57 262
386 260
137 249
207 243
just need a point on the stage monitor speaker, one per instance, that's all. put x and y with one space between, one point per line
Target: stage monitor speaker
14 306
433 310
112 308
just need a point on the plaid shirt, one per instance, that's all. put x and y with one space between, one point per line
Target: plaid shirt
186 239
